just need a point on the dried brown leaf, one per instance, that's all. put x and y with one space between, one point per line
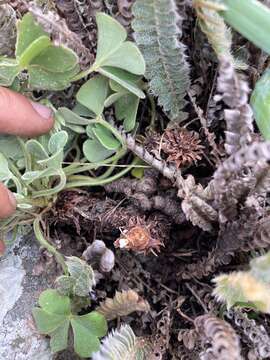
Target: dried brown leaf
123 303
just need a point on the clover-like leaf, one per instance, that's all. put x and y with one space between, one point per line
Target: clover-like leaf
123 78
71 117
93 94
105 137
54 318
87 330
28 32
40 78
56 59
113 50
57 141
111 34
94 151
36 149
126 110
9 69
80 281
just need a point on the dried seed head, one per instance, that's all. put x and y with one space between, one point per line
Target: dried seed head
182 146
138 237
177 145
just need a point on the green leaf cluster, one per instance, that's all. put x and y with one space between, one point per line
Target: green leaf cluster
54 318
49 67
79 282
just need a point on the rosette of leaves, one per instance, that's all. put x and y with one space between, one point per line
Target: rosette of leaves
55 318
49 67
79 282
32 166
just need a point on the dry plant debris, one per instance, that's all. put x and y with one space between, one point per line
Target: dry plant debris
196 203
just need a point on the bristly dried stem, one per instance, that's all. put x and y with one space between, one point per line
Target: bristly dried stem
234 92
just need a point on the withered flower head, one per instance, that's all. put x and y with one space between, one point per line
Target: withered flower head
182 146
137 237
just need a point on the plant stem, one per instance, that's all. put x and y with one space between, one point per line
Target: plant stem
77 168
85 73
43 242
77 181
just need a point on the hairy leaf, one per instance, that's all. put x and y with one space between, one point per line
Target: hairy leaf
123 344
157 33
80 281
123 303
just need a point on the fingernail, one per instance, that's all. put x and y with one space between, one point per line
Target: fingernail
12 199
42 110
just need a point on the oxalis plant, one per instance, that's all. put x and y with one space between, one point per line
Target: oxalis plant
36 170
58 309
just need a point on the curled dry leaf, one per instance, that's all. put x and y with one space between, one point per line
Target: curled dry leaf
123 303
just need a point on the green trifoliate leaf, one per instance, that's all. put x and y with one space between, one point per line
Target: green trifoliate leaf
28 31
54 318
81 280
43 79
94 151
126 110
111 34
105 137
93 94
9 69
123 78
56 59
127 57
113 50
